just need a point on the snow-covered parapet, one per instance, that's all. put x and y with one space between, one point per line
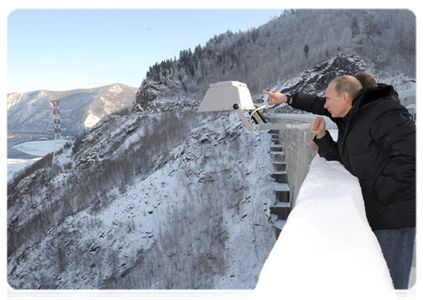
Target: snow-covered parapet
327 249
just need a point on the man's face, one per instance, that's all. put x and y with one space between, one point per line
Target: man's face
337 105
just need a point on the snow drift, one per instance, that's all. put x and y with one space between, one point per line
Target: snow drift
327 248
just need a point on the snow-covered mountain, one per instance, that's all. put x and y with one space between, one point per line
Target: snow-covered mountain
32 112
191 211
280 50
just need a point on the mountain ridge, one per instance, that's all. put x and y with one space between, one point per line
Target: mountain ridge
72 91
153 97
280 50
30 112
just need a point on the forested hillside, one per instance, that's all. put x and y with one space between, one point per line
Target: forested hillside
283 48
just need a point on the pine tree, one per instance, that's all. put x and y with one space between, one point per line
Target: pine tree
354 27
368 22
306 50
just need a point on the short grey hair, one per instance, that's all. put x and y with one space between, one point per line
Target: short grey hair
348 84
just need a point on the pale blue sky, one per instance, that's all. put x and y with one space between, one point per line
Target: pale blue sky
59 49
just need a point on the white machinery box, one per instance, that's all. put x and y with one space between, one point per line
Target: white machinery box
227 96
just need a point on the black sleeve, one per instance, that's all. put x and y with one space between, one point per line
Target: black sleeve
328 148
310 103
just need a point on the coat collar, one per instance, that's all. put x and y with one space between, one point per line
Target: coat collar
371 94
366 96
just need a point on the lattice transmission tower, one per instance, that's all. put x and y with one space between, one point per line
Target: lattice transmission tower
57 130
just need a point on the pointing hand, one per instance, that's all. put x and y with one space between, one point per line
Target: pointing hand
275 98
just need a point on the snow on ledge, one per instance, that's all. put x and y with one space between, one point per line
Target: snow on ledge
326 248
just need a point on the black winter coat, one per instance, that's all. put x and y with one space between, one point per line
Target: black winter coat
377 144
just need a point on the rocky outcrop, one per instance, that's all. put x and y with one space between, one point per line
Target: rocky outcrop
146 94
316 79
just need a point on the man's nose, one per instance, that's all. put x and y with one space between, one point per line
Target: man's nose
326 105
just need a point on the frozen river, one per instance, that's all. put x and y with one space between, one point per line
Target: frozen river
23 150
12 150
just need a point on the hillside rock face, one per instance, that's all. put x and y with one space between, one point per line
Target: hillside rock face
316 79
147 94
154 97
83 108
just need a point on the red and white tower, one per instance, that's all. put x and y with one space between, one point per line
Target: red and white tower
57 129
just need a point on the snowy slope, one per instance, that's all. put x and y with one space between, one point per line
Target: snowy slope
198 219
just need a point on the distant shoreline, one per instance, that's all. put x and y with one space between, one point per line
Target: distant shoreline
19 160
11 134
17 138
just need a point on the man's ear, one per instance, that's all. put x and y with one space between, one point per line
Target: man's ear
345 97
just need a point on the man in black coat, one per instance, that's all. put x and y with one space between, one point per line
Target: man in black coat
376 143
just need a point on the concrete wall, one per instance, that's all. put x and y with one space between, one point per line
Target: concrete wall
298 153
298 156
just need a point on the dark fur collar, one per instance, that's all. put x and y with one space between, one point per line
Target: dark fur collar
371 94
368 95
